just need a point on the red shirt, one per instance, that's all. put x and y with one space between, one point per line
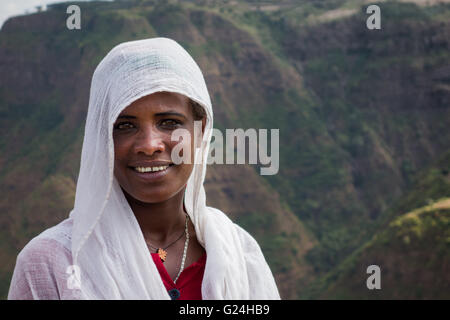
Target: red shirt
189 283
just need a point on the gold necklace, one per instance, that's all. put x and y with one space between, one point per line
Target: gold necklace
162 251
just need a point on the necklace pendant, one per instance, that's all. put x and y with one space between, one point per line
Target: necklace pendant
162 254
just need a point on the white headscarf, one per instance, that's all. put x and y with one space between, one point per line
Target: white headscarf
107 243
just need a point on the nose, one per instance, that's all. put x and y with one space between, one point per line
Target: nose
149 141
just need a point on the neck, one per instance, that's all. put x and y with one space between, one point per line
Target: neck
160 222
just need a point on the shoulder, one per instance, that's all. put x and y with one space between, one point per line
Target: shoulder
41 265
48 245
260 276
248 242
249 245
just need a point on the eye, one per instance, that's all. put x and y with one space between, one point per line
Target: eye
170 123
123 125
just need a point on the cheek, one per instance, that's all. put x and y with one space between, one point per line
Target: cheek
119 150
181 147
185 168
121 157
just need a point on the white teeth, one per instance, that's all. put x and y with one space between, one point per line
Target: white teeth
150 169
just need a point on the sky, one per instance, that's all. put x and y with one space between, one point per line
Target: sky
10 8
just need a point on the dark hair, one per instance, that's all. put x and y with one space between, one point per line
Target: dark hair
197 110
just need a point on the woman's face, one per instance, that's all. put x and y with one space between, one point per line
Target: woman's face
142 140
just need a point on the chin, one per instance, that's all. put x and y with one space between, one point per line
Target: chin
154 196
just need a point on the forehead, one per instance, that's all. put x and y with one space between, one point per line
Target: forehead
158 102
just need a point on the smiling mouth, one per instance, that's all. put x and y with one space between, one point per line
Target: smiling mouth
151 169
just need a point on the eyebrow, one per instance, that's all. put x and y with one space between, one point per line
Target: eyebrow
160 114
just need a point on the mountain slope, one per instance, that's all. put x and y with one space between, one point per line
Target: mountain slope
360 114
43 105
412 248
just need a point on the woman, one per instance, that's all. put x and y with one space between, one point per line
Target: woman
135 234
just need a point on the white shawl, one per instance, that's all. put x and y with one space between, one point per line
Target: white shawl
107 242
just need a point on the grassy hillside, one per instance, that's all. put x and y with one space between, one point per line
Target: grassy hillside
361 115
411 246
413 253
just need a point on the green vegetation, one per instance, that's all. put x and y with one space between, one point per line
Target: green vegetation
413 245
362 116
